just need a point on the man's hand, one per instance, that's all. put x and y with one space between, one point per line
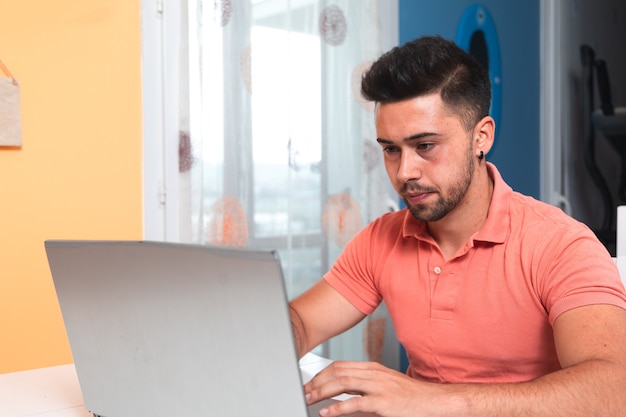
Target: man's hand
377 389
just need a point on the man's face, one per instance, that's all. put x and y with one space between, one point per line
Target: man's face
428 155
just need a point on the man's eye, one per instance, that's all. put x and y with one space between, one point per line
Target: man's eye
390 149
425 146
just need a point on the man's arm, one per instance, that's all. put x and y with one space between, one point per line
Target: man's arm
319 314
591 344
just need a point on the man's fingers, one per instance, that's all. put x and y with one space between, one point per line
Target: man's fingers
362 405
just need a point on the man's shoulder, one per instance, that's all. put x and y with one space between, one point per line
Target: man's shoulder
395 221
391 225
524 207
531 217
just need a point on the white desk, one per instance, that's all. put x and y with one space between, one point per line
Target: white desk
54 391
45 392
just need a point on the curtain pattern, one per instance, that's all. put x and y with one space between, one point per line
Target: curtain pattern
277 148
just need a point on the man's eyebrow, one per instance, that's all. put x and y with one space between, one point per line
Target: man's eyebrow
407 139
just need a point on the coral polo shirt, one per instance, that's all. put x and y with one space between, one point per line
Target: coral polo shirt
486 314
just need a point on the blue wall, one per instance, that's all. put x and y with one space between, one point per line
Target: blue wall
516 152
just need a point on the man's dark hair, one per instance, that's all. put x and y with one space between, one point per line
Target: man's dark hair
427 65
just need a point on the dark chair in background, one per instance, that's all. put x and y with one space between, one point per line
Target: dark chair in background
610 122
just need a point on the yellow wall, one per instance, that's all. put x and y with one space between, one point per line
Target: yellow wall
78 173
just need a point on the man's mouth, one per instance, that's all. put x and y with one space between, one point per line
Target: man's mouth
416 197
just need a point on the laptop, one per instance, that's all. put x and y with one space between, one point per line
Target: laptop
167 329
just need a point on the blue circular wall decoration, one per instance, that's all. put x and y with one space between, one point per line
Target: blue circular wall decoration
477 35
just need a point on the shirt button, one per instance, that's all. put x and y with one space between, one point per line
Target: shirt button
437 270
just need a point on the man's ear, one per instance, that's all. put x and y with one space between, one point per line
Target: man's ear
484 135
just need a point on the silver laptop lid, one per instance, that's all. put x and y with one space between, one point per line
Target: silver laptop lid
164 329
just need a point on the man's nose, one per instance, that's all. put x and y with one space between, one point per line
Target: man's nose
409 167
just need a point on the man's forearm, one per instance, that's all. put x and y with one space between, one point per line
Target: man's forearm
593 388
299 332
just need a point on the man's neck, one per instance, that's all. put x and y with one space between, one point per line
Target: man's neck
454 230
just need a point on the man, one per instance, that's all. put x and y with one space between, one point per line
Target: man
505 305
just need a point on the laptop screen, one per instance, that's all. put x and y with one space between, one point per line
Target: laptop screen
163 329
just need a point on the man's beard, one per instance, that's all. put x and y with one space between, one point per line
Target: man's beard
443 205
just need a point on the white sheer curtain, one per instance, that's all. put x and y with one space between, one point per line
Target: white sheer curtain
277 150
